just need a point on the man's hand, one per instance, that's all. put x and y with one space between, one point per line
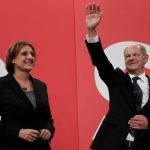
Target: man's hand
138 122
93 17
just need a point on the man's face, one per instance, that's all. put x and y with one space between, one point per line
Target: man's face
135 59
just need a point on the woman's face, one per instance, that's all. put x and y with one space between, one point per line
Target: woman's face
25 59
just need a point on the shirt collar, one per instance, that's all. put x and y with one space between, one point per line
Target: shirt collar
142 77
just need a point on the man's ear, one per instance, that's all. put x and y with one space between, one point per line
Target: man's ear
146 58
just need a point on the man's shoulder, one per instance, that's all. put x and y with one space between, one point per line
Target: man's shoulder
120 71
121 74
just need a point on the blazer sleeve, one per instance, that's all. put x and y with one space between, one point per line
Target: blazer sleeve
7 131
100 60
49 121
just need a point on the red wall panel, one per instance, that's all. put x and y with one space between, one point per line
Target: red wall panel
57 30
49 26
122 21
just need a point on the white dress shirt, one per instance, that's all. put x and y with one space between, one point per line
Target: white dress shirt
144 85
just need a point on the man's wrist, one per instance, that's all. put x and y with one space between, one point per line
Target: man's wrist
92 39
92 32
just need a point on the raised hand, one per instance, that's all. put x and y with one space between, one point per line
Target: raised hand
93 16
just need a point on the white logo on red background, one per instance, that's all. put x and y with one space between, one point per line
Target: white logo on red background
3 70
115 54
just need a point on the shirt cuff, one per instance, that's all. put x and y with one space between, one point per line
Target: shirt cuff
94 39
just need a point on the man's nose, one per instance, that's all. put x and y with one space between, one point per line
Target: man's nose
131 57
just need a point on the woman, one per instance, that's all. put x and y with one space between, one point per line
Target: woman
26 122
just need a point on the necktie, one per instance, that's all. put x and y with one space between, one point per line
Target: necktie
137 93
138 97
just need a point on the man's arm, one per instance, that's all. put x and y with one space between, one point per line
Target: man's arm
98 57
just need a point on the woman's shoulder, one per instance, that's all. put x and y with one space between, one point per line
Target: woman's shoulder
38 81
5 78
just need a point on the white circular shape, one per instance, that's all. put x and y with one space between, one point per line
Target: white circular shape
3 70
115 54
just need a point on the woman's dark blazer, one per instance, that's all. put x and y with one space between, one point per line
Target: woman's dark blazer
17 112
122 106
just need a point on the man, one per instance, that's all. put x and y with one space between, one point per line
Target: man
126 125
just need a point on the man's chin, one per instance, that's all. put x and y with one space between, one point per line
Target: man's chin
132 70
132 67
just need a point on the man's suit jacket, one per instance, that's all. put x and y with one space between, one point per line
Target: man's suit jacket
114 128
17 112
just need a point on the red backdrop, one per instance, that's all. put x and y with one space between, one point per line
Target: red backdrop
57 30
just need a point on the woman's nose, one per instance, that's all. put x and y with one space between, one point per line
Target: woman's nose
30 56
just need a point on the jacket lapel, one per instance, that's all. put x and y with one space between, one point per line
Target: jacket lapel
132 101
148 102
17 89
128 92
37 90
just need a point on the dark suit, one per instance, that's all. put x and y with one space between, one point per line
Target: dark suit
114 128
17 112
